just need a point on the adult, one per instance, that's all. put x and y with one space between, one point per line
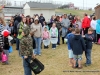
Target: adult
70 16
58 25
36 31
41 19
2 27
65 24
20 27
17 20
98 30
85 24
79 23
93 26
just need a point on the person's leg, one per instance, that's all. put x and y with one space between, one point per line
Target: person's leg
80 61
27 70
74 61
17 44
94 36
88 56
35 50
54 45
7 53
39 46
58 38
62 40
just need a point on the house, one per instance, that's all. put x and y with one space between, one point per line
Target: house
97 11
47 9
12 11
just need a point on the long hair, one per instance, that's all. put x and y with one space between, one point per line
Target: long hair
2 21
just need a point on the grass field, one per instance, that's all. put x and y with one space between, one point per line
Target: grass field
74 12
56 63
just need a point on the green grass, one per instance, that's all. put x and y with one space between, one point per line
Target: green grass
75 12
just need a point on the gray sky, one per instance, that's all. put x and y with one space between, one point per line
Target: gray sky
79 3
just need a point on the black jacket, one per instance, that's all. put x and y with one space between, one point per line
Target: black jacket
78 45
6 44
88 40
41 19
58 24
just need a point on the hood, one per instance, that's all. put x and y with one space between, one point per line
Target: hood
18 18
98 21
26 30
77 37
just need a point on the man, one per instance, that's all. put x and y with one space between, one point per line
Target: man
41 19
65 24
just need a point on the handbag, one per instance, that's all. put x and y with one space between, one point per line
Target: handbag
4 57
10 49
36 66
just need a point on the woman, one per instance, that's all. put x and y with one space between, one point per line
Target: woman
2 27
36 30
20 27
98 30
93 26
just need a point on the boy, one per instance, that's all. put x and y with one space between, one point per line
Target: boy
89 37
77 45
70 52
26 49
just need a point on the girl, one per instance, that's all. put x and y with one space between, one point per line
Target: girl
54 35
45 25
46 37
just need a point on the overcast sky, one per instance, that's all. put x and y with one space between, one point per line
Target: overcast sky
79 3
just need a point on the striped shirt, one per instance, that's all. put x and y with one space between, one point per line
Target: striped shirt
1 36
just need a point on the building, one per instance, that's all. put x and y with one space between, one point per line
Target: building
97 11
47 9
12 11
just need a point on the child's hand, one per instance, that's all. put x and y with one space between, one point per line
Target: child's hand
91 37
25 57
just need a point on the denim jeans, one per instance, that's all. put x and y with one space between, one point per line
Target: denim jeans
88 56
53 45
27 70
37 51
17 44
58 37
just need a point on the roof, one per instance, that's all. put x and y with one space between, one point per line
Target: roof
15 7
41 5
97 7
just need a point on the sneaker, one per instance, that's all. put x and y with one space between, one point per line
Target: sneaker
53 48
39 54
73 67
80 67
86 65
56 45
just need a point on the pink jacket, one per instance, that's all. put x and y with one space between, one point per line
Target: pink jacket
45 34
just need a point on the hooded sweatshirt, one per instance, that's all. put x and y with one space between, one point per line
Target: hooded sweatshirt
98 27
78 45
26 44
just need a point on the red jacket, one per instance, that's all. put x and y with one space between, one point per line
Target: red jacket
86 22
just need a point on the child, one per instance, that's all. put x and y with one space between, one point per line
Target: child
26 49
89 37
77 45
46 37
6 45
70 52
45 25
54 35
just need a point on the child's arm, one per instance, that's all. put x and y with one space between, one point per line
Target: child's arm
90 38
83 44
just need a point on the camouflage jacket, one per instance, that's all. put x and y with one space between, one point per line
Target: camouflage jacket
26 46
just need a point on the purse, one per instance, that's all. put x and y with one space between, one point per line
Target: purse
36 66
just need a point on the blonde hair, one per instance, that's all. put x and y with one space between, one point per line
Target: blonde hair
2 21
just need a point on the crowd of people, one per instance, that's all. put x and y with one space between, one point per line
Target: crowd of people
29 33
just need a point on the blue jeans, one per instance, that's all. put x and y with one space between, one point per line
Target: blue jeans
37 51
53 45
88 56
17 44
58 37
27 70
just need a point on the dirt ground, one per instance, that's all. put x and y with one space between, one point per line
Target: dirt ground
56 63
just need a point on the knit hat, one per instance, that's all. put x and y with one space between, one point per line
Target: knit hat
5 33
26 30
36 19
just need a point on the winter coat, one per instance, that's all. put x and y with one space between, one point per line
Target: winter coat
98 27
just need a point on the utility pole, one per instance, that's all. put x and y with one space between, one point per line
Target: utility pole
83 4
